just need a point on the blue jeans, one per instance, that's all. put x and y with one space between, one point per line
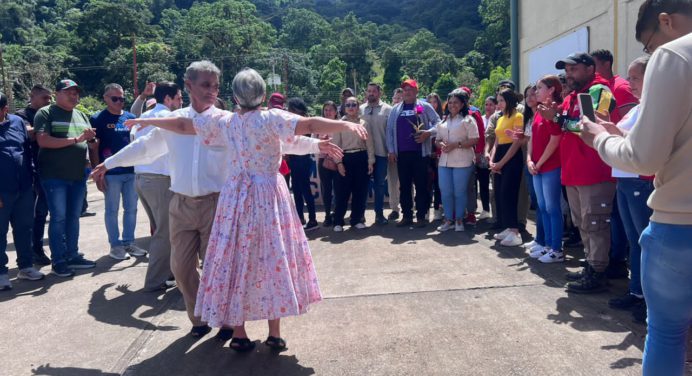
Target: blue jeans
619 249
17 209
632 194
548 195
454 182
65 199
116 186
666 281
380 178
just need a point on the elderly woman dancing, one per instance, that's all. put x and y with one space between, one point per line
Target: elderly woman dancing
258 264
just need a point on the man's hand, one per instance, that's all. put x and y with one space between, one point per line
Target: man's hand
333 151
421 136
98 175
357 129
371 168
342 170
148 90
129 123
392 157
86 135
590 130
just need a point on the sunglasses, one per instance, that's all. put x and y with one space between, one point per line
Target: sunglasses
117 99
351 105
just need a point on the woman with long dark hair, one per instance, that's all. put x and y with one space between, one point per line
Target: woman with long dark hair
326 167
507 165
436 103
527 189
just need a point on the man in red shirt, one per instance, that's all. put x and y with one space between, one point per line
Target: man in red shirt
590 187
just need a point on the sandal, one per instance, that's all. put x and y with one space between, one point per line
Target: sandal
276 343
199 331
242 344
224 334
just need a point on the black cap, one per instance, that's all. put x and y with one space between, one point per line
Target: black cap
66 84
508 84
575 58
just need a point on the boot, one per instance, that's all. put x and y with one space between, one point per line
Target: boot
575 276
592 282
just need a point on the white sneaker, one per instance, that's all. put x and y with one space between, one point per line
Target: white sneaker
135 251
552 256
530 244
437 215
511 240
445 226
5 283
360 226
502 235
536 248
538 252
118 253
338 228
30 274
459 227
484 215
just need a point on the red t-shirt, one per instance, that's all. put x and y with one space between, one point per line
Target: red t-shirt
623 96
541 130
480 145
581 164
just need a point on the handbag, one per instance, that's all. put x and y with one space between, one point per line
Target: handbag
329 164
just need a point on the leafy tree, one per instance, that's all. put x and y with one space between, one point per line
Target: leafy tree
302 29
493 41
391 62
332 80
444 85
487 85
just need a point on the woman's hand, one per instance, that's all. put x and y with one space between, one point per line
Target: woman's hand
548 111
357 129
129 123
496 167
333 151
449 147
533 169
340 167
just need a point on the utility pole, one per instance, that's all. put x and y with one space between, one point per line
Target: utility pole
134 65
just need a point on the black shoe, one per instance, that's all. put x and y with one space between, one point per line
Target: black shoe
381 220
593 282
639 313
393 216
200 331
87 214
62 270
421 223
625 302
328 221
80 262
224 334
617 270
405 222
41 259
276 343
583 263
302 221
311 225
575 276
574 241
242 344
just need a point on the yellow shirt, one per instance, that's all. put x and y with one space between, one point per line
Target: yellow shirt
515 122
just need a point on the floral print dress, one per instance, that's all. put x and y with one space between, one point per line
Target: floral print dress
258 264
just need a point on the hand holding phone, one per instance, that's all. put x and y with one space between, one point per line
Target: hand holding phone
586 106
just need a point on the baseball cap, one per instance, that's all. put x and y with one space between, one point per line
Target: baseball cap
411 83
151 102
276 100
575 58
66 84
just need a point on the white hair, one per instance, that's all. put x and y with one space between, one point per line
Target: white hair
197 67
249 88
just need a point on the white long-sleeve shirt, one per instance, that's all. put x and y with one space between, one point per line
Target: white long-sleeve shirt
160 165
195 169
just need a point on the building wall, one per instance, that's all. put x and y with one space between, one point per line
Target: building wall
542 21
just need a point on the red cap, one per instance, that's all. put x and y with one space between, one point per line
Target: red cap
411 83
276 100
467 90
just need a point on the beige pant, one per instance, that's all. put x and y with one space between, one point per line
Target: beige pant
191 219
591 206
393 186
155 195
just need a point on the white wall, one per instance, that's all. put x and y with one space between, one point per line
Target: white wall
544 21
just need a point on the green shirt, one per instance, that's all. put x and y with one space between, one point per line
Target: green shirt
65 163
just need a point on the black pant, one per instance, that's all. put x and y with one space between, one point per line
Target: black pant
436 196
327 179
507 187
483 176
301 168
354 185
413 170
40 214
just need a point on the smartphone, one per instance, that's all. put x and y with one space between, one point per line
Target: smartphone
586 106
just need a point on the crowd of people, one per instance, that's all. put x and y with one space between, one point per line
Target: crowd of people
615 184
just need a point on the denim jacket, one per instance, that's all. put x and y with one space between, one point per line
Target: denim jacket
430 121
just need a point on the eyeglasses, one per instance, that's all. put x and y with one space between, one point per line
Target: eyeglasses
351 105
646 45
117 99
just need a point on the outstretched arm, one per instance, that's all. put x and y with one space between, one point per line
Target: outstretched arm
174 124
327 126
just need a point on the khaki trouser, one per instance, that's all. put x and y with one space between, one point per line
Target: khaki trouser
155 195
191 219
393 186
591 206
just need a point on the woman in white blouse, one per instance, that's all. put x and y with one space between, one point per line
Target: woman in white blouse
456 137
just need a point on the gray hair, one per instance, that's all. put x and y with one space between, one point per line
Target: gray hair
202 66
249 88
641 61
110 87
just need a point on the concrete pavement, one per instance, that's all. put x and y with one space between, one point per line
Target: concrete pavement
396 302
